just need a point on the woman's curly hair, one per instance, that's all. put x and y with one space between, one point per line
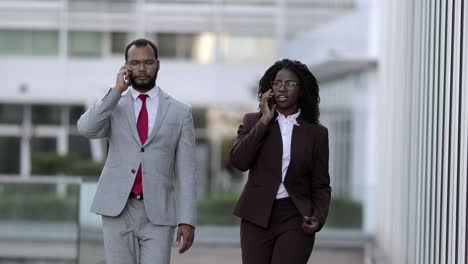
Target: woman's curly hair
309 100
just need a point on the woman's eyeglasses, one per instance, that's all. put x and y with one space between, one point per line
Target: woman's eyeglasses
276 85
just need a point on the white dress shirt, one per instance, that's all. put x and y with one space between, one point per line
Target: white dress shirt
286 125
151 105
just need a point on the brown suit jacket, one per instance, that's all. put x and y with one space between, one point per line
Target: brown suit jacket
259 148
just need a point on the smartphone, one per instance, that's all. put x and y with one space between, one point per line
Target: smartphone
271 101
127 79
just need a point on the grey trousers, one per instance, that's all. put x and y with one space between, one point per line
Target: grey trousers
131 238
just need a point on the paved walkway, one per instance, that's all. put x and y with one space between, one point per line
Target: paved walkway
55 243
232 255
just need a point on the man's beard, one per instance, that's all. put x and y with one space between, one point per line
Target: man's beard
144 87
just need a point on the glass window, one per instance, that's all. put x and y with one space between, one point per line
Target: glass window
244 48
79 146
9 155
199 117
12 42
198 47
27 42
46 114
43 145
44 42
44 157
107 1
167 45
11 114
204 47
75 113
85 44
119 42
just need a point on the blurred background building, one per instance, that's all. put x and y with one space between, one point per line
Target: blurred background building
393 95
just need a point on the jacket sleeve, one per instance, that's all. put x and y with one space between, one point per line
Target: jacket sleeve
186 173
249 139
321 190
95 123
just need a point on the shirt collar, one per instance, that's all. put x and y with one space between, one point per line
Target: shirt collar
153 93
290 117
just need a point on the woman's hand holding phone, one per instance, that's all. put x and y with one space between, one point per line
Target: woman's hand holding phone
122 82
267 106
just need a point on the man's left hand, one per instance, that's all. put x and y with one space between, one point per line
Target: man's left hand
187 233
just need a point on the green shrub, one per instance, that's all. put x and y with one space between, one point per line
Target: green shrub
40 208
344 213
38 202
53 164
217 210
85 168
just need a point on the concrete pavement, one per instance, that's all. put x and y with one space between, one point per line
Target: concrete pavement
55 243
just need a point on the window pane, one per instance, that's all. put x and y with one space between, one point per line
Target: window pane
198 47
44 145
199 117
204 47
11 114
12 42
239 48
44 160
9 155
75 113
167 45
27 42
85 44
119 42
46 115
79 146
44 42
185 46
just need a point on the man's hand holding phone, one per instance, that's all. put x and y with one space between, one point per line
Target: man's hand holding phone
123 79
267 106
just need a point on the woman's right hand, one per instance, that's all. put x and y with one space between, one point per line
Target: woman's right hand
267 112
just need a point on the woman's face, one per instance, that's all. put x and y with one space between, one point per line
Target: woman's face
287 91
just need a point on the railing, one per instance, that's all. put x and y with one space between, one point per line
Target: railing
39 220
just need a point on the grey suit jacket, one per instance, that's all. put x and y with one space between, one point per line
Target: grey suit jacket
167 158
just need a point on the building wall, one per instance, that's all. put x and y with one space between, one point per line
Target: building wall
52 80
422 133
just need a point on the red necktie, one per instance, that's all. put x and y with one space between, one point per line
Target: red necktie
142 127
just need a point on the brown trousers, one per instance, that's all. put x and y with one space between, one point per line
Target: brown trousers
283 242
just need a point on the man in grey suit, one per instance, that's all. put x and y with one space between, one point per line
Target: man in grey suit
147 186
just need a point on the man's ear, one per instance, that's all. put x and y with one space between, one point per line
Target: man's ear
157 65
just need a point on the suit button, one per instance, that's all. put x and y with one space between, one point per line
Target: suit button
133 170
142 149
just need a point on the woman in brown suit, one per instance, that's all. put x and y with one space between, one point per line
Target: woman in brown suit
285 200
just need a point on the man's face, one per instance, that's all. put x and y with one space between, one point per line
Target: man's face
144 67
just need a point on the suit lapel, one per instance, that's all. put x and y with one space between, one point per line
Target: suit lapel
130 114
163 106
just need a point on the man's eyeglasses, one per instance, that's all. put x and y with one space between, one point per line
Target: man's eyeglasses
135 65
276 85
